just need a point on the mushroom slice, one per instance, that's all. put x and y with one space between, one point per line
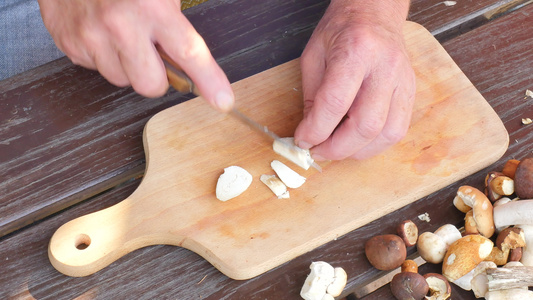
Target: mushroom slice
233 182
286 148
275 185
287 175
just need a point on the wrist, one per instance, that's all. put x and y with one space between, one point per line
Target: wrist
389 13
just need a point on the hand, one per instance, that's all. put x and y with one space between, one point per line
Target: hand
358 84
118 38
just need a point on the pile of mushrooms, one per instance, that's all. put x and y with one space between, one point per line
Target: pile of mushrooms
489 257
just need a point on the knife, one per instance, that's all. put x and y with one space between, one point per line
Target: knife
183 83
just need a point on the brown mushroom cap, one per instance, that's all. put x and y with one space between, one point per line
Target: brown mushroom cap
509 169
385 252
464 255
511 238
409 285
524 179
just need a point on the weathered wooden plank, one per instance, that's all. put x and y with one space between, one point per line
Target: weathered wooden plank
446 21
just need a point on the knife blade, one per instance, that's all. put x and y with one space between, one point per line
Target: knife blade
183 83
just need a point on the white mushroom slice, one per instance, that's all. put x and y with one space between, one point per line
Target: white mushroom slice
233 182
321 276
293 153
275 185
287 175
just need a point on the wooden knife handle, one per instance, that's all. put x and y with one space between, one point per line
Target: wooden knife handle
176 76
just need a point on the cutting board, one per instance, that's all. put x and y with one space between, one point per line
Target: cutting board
454 133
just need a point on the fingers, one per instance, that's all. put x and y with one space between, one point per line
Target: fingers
187 48
334 96
363 123
396 126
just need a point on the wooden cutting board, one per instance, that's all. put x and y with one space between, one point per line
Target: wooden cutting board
454 133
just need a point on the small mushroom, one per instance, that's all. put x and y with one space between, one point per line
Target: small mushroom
491 194
509 169
409 265
498 185
233 182
464 255
481 206
317 282
524 179
439 287
385 252
408 231
324 282
408 284
433 246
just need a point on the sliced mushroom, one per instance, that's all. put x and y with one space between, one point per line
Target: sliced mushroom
289 177
233 182
286 148
275 185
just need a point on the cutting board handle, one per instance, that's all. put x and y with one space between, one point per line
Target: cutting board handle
91 242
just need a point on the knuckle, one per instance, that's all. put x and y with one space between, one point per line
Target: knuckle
369 128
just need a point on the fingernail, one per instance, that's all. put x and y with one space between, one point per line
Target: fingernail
224 101
304 145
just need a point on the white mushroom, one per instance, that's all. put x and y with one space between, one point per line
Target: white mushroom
275 185
433 246
233 182
287 175
286 148
317 282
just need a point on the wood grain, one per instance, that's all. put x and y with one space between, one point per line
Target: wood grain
189 144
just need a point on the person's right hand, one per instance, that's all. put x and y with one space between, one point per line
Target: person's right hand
119 38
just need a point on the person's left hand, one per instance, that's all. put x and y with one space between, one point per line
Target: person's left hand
358 84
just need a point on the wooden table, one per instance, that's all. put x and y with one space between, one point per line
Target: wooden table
70 144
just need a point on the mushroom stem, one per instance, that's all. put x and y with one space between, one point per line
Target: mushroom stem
509 277
513 213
